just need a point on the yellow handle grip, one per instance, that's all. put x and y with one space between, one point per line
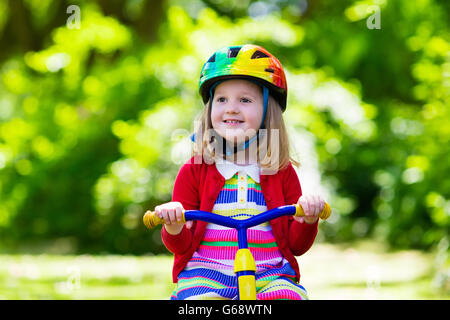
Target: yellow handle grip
151 219
326 212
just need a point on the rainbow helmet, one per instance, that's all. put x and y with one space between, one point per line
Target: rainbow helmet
248 61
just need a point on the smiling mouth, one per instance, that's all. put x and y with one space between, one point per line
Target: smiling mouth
233 121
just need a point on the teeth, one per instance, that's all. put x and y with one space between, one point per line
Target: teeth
232 121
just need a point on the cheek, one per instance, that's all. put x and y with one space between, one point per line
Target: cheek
214 115
254 118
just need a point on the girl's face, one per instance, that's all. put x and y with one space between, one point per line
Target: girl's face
237 109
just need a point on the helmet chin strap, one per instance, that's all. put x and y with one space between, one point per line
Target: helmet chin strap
243 146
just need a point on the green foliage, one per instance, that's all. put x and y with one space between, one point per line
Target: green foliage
95 122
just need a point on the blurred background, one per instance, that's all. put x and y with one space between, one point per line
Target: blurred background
98 98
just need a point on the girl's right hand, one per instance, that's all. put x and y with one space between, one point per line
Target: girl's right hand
171 212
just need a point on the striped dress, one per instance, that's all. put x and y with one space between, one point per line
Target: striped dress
209 273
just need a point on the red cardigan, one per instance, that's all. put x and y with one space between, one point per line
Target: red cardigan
197 187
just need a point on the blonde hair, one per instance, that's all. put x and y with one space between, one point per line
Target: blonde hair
276 151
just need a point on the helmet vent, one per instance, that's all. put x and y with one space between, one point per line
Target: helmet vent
213 58
233 52
269 70
259 54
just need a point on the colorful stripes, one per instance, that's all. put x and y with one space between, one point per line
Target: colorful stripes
209 273
203 283
229 192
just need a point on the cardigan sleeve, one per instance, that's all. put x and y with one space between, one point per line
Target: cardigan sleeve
301 235
185 191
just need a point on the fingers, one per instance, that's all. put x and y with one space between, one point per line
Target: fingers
178 214
171 212
322 204
299 219
316 205
304 203
312 205
162 213
308 205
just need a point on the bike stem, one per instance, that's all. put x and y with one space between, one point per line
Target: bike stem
242 237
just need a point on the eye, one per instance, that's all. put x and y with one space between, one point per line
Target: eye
221 99
245 100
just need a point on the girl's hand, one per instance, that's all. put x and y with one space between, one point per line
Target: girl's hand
171 212
312 206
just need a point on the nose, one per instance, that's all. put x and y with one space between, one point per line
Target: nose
232 107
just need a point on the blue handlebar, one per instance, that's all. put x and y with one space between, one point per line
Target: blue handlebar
240 225
237 224
151 219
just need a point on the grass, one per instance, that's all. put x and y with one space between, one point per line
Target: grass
360 271
366 270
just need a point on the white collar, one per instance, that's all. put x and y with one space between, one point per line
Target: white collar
227 169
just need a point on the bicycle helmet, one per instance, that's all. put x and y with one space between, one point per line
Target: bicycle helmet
251 62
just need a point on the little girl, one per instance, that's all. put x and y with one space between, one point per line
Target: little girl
240 167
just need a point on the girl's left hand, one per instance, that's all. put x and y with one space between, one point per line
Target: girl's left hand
312 206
